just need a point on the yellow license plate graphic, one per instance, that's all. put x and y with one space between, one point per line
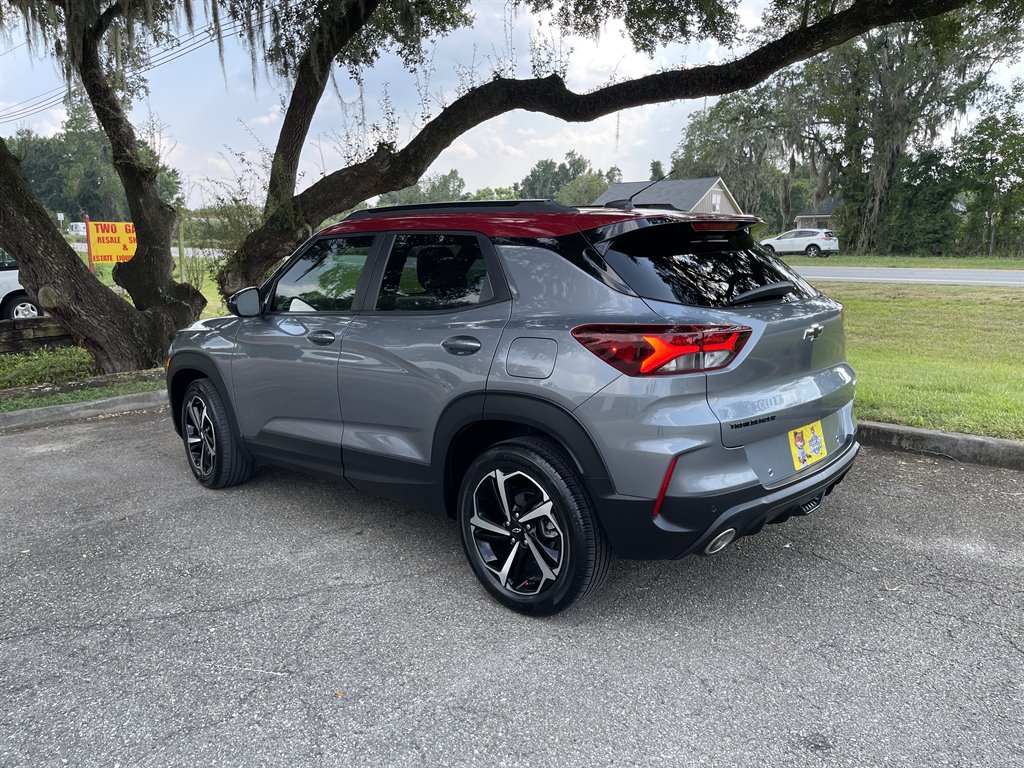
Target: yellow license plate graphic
807 444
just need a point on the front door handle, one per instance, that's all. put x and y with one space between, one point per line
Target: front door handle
461 345
323 338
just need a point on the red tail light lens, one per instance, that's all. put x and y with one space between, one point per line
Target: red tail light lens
659 350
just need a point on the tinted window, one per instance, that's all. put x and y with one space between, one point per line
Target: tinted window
704 269
325 278
6 260
431 272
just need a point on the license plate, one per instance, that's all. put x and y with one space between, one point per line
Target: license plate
807 444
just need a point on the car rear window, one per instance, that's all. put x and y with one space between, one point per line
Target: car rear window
675 263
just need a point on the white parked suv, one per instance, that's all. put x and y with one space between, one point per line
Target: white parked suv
813 242
14 301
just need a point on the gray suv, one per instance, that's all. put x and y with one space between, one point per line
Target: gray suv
567 383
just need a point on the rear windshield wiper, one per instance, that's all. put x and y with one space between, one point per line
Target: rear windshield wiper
770 291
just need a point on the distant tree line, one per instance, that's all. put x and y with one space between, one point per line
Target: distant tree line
865 122
572 182
72 171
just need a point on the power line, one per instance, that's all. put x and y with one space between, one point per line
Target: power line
12 49
44 101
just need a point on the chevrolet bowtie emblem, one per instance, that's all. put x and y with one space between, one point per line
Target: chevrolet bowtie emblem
810 334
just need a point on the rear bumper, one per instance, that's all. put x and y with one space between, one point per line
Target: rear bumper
687 525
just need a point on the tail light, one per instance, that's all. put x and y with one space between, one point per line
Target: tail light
658 350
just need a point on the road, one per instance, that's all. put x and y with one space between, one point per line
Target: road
1007 278
146 621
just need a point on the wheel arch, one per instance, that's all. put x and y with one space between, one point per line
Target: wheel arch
13 297
473 423
184 368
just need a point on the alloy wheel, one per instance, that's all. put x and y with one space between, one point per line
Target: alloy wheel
516 532
200 436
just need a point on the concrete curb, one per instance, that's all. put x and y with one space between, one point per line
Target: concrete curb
56 414
973 449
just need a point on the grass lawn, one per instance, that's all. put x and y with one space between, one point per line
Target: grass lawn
18 402
921 262
937 357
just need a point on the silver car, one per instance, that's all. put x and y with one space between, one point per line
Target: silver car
568 383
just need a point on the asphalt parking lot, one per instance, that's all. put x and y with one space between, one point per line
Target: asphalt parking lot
147 621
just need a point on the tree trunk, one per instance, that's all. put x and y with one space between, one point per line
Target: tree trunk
120 337
149 276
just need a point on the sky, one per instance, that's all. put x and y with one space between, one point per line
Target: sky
209 112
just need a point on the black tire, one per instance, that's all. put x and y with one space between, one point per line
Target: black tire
813 251
565 536
20 305
212 448
770 249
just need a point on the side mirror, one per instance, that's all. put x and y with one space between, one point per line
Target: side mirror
245 303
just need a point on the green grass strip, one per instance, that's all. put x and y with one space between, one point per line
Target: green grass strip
20 402
918 262
938 357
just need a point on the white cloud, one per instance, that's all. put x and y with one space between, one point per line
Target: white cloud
270 118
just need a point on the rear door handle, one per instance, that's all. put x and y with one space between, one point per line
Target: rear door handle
323 338
461 345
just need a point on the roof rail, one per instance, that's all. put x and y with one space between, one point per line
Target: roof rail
488 206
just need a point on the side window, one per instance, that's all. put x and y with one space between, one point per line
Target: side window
432 272
6 260
787 235
325 278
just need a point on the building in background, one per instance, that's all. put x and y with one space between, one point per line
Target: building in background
709 195
818 216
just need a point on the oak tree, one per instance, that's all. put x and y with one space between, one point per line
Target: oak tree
304 41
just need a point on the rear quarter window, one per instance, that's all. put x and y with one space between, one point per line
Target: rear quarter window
674 263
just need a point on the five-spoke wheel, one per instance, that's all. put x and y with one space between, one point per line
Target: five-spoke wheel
528 527
516 533
200 436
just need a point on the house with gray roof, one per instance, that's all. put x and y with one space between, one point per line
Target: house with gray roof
709 195
818 216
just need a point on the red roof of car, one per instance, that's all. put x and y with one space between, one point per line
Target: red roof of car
511 224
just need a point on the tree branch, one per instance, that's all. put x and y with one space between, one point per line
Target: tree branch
148 277
312 73
387 170
105 19
550 96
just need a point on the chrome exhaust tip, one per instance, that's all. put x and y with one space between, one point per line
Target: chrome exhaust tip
720 542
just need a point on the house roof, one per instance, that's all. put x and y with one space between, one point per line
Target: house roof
683 194
825 208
